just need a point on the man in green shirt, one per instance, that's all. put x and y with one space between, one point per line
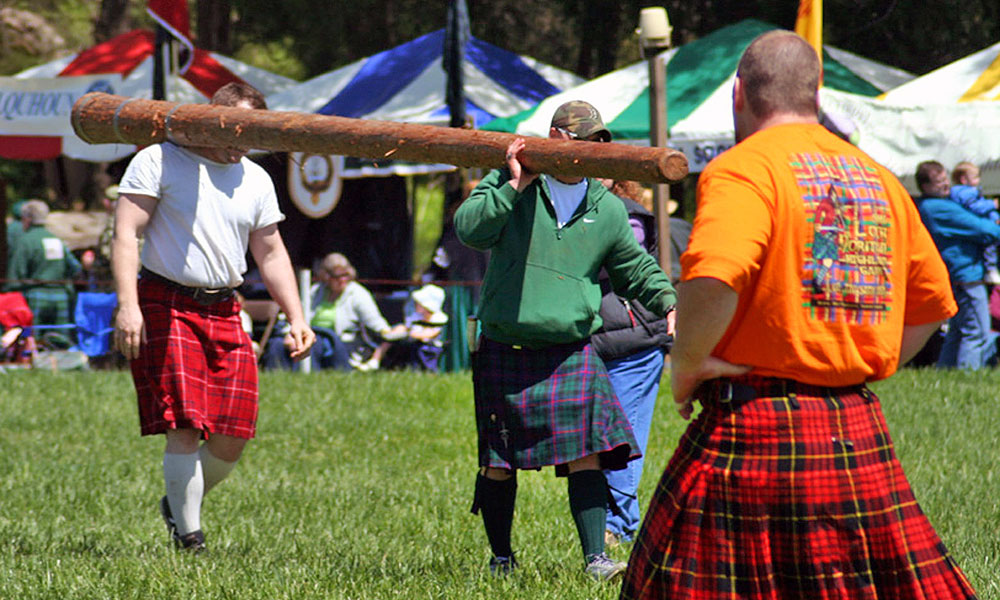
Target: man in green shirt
542 394
41 267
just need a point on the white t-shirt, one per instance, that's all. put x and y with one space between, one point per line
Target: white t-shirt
565 197
200 230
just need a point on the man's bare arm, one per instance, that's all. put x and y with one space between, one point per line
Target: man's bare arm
705 306
914 338
269 252
131 217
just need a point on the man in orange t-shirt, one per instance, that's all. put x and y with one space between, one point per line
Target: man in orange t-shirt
808 274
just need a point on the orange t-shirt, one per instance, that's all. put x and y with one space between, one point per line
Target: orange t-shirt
827 253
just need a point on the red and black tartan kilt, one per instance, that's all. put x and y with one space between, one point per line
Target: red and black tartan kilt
550 406
197 369
794 494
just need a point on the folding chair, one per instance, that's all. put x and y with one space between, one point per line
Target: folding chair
263 311
93 314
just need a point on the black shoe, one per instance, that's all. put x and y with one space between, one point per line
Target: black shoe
502 565
168 518
193 542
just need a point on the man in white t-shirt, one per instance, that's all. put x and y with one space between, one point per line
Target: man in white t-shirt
199 210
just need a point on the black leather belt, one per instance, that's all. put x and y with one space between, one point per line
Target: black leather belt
736 391
204 296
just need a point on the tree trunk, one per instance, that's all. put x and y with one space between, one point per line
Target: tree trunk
111 21
213 22
600 21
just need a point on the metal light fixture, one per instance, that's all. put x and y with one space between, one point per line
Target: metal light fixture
654 29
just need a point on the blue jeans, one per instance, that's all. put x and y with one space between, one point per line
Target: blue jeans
969 343
636 381
329 352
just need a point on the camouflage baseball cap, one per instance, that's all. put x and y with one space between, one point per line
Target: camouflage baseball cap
581 120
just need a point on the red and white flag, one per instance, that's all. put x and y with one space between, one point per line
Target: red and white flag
173 16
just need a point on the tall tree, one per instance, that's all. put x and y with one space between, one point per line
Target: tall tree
600 32
213 21
112 20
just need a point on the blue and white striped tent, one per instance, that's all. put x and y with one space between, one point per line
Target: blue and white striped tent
407 84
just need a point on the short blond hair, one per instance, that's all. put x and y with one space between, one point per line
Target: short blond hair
963 169
336 260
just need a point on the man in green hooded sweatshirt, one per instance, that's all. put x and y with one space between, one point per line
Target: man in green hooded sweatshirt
542 394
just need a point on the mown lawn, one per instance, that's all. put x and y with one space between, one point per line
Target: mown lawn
359 486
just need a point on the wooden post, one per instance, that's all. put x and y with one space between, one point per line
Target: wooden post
104 118
658 138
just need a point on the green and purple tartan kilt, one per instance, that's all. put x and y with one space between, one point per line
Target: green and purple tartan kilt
550 406
788 491
49 305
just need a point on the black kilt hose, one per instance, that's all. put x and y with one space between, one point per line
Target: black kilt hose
784 490
549 406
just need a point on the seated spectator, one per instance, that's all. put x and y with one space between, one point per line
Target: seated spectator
342 312
422 345
41 267
15 317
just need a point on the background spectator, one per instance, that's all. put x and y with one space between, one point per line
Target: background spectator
960 236
42 267
343 310
422 346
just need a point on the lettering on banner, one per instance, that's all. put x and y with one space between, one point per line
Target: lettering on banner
704 153
35 101
15 105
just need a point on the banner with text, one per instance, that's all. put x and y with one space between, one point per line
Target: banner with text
42 106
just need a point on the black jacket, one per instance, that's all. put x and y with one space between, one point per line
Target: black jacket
628 327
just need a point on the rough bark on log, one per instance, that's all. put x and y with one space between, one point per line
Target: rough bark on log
104 118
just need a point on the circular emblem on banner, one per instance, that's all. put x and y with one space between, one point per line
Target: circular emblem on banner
101 85
314 182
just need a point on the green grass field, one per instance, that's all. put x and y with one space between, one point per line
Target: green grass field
359 486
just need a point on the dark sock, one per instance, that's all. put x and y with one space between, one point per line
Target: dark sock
588 501
496 500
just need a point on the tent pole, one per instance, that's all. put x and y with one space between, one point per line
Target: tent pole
159 72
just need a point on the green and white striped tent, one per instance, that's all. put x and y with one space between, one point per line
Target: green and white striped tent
699 93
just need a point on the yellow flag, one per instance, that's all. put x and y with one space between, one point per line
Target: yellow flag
809 24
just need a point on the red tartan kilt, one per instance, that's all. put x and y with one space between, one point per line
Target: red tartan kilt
197 369
768 500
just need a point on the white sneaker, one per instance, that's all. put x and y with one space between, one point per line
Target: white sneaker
992 277
599 566
371 364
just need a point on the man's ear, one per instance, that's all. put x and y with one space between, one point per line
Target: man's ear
738 97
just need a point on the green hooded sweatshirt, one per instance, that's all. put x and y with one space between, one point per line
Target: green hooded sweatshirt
541 286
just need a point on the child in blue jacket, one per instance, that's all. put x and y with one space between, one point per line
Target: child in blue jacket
965 190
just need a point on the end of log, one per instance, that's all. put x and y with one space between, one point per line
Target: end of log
673 165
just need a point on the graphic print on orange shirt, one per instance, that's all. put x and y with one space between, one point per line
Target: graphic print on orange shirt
847 264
